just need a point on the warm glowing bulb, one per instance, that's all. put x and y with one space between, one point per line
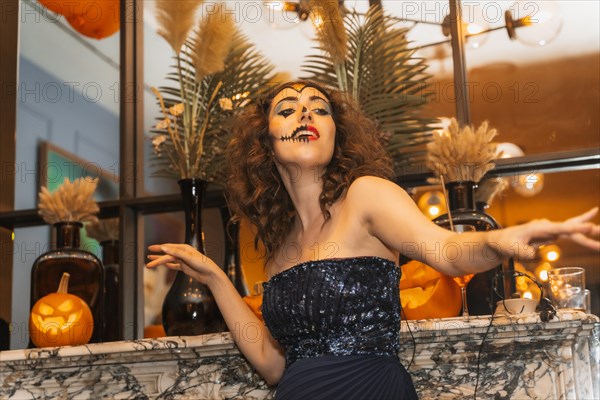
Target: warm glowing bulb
550 252
552 256
432 203
317 21
509 150
527 295
474 29
541 271
537 23
526 21
528 184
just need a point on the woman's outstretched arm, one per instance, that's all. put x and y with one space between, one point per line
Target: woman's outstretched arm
392 216
249 333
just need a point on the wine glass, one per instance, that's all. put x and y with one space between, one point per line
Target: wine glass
463 280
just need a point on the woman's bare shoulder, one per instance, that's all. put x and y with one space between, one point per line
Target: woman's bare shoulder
369 187
372 197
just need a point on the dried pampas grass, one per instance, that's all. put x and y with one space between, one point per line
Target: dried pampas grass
175 20
462 154
104 230
212 42
72 201
331 32
488 189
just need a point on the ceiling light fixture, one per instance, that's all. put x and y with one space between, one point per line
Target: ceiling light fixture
539 22
536 24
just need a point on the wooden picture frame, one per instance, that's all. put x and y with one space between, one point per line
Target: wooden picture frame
55 164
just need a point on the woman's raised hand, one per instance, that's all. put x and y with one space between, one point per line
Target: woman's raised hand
522 241
185 258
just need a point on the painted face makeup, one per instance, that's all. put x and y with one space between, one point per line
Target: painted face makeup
299 111
302 127
303 133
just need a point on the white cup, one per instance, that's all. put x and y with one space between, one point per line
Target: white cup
515 306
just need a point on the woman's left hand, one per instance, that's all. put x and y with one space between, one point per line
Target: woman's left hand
522 241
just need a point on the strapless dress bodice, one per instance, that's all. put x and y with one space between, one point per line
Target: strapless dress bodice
340 306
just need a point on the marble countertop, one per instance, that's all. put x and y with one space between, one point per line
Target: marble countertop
211 345
222 343
515 356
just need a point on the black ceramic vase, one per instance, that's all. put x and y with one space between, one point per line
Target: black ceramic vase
112 316
461 202
189 307
233 264
85 269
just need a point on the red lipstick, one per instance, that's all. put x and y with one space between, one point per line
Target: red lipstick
315 131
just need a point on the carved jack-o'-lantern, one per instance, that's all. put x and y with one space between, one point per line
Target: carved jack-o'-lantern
426 293
60 319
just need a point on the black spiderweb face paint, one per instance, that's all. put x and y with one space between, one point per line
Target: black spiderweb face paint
303 133
307 106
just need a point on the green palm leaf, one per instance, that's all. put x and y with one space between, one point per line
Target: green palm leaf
219 98
387 81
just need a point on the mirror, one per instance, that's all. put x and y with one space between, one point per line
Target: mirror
68 98
561 196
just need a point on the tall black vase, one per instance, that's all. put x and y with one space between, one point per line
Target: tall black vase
233 264
189 307
461 202
112 308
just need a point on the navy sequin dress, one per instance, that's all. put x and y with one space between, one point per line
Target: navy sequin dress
338 320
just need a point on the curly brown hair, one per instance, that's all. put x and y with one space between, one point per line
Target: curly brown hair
255 189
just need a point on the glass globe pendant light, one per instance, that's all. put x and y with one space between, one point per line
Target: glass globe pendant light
535 23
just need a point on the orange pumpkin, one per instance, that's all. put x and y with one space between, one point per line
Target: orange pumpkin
154 331
426 293
62 7
69 8
60 319
99 21
255 303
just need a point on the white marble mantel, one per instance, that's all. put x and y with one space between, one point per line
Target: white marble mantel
521 358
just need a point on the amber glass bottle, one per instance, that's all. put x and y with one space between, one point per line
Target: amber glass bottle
85 269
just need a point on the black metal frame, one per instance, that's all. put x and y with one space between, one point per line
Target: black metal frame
573 160
131 162
9 52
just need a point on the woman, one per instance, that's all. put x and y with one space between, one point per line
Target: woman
308 171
